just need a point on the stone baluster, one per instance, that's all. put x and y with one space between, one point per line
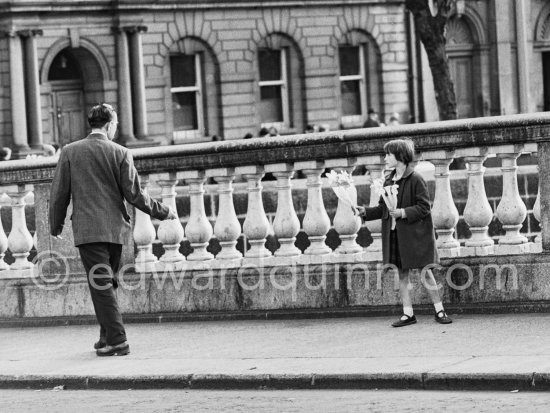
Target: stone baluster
227 228
477 213
345 223
198 229
316 222
511 211
20 239
286 224
144 236
3 245
444 213
537 245
256 225
170 231
375 168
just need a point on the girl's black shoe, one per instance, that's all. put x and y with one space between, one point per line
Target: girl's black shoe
406 322
442 318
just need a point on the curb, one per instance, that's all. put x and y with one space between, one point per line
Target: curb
400 381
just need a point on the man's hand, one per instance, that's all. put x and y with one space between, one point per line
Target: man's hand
172 214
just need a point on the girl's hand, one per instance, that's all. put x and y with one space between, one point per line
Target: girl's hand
396 213
359 210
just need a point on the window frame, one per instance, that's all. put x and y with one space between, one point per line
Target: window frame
283 83
183 135
354 120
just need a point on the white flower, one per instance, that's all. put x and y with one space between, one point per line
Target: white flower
342 185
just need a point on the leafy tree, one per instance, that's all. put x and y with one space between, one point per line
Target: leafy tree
430 18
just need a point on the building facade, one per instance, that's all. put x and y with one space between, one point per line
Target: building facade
194 71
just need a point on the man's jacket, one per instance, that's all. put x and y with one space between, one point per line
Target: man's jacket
98 175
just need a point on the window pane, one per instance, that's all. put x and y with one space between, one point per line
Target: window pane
351 98
270 64
271 104
184 108
182 69
349 60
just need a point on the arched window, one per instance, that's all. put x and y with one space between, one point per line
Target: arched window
360 76
280 85
194 84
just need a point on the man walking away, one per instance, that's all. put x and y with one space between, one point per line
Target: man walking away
98 175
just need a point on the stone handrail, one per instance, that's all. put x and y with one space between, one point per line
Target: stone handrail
439 143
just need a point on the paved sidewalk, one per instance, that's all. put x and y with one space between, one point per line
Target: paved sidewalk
499 352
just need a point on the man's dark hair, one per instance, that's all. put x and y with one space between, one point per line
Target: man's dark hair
402 149
99 115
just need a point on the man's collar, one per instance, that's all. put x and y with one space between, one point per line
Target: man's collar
97 133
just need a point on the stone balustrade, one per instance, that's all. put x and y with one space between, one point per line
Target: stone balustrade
438 144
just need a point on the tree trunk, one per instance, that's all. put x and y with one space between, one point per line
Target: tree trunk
431 31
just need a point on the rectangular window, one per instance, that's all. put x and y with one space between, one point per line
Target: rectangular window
353 85
187 101
274 101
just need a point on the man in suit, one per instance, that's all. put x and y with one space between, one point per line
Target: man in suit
98 175
372 121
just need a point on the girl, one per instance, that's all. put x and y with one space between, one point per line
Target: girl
412 243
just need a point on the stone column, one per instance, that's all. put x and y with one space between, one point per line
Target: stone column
511 211
345 223
444 213
256 225
477 213
17 94
523 54
3 246
227 228
198 229
124 108
286 224
316 222
20 239
32 91
543 154
537 245
375 167
170 231
138 81
144 236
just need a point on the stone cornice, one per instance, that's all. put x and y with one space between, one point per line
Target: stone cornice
448 135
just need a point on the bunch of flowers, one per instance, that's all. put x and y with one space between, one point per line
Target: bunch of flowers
388 194
342 185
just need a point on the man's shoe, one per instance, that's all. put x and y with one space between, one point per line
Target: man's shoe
119 350
442 318
406 322
100 344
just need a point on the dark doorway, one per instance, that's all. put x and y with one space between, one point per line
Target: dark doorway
546 79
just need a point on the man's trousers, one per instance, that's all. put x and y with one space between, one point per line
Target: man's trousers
101 261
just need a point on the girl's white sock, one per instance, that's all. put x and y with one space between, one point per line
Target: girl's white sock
408 311
438 307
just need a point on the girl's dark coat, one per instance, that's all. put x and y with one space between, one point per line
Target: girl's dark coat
415 234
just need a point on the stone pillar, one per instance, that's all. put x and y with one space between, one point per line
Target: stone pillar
444 212
3 247
170 231
32 91
504 45
477 213
138 81
286 224
511 211
124 108
544 186
17 95
20 239
345 223
256 225
523 54
227 228
144 236
198 229
537 245
375 167
316 222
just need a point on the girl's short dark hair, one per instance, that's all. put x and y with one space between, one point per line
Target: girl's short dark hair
99 115
402 149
